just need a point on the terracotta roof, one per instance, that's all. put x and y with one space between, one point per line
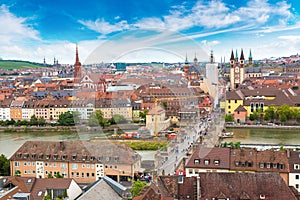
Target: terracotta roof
294 158
89 152
218 158
240 108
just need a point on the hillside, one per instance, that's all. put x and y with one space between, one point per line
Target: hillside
16 64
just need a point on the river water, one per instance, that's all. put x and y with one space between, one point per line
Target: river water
10 142
265 136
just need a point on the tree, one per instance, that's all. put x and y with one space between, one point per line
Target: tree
229 118
41 121
4 166
33 121
17 173
119 119
50 175
143 114
58 175
68 118
137 187
96 119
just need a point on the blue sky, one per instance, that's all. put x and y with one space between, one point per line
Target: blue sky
126 30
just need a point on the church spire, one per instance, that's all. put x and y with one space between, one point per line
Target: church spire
186 59
242 55
236 55
77 66
250 54
232 55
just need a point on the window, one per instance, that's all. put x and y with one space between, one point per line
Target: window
235 101
33 163
196 161
92 166
74 166
83 157
297 186
216 162
77 174
275 165
229 107
261 165
87 165
40 156
206 162
25 163
268 165
72 174
88 175
83 165
82 175
25 155
297 177
296 166
249 164
17 164
93 175
47 156
107 159
281 166
63 166
55 157
73 157
237 163
64 157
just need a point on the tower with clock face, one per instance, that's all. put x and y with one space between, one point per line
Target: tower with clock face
237 70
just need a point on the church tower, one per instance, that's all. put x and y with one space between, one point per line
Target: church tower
186 67
232 64
250 59
195 60
242 68
77 67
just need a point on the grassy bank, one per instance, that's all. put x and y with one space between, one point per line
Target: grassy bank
146 145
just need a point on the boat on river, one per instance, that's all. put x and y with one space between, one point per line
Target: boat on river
226 135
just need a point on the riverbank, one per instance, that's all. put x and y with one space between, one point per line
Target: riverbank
264 127
81 128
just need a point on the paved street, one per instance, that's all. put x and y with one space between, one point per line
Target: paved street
178 148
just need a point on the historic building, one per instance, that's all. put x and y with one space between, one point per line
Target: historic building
237 70
85 162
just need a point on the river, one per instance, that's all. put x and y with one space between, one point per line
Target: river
10 142
265 136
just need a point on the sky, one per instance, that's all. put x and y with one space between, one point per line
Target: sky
145 31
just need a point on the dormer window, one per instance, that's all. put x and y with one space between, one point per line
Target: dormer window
74 157
92 158
25 155
64 157
40 156
206 162
55 157
99 158
32 156
216 162
48 156
107 159
18 155
196 161
84 158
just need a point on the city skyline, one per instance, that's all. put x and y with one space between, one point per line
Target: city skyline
139 31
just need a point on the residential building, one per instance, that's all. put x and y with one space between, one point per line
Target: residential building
31 188
5 109
85 162
219 186
69 159
294 175
206 159
16 108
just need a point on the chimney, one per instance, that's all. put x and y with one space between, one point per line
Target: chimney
198 188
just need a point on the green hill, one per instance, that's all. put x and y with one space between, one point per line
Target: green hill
16 64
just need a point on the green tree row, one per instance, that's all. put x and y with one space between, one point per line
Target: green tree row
274 113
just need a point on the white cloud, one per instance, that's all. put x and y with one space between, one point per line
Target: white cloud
104 27
13 28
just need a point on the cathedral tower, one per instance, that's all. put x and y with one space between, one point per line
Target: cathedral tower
77 67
